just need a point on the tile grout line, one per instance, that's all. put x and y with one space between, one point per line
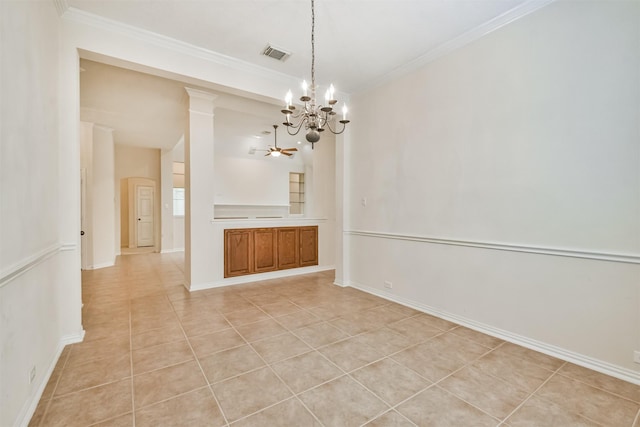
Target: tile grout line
530 395
293 394
345 373
133 400
159 401
256 290
501 422
575 413
224 417
620 396
91 387
348 373
635 420
436 383
387 412
291 331
491 350
313 349
55 387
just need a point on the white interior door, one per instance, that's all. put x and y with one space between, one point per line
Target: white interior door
144 211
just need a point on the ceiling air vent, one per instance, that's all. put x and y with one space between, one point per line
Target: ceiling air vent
275 53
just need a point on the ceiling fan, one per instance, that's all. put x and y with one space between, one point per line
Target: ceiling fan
276 151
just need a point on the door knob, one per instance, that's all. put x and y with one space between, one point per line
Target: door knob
82 233
138 219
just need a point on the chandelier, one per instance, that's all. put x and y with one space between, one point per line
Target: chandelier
314 117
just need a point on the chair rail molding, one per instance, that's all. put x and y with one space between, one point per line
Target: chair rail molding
21 267
628 258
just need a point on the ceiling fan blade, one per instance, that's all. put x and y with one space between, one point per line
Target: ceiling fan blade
290 149
268 154
286 154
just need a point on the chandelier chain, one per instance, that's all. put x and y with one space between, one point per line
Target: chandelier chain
313 48
313 117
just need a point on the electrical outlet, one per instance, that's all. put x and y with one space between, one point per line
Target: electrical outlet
32 374
636 356
388 284
363 201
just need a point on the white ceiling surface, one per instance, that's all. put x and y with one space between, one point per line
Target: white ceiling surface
358 43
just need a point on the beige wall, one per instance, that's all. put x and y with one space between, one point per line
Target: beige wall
500 193
39 292
124 213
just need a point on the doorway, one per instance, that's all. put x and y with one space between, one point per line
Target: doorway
138 214
144 214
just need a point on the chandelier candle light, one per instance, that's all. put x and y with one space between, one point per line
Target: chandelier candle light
314 117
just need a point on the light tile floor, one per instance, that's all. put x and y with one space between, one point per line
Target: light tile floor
300 351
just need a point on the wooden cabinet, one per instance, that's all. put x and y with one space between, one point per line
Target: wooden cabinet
308 246
258 250
238 253
288 248
265 242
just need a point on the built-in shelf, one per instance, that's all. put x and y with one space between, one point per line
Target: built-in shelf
254 211
296 193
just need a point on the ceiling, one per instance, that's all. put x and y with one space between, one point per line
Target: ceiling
149 111
358 43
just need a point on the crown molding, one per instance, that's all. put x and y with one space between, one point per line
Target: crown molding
61 6
472 35
73 14
82 17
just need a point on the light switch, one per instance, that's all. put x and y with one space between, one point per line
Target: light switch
363 201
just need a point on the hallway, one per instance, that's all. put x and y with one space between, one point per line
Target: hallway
300 351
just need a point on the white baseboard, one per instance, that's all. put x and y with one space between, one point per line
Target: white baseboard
29 408
341 284
101 265
170 251
72 338
261 276
542 347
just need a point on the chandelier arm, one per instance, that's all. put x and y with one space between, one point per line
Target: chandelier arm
314 116
296 127
344 126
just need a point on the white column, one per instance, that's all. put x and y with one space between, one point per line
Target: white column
166 191
103 198
199 190
342 277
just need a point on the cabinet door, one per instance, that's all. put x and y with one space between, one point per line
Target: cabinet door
288 253
238 253
308 246
265 241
